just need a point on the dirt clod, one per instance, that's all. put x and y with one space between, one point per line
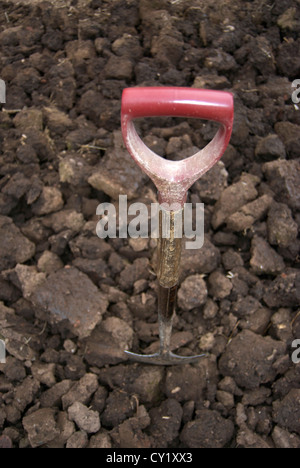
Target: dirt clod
249 359
207 431
67 295
87 420
41 426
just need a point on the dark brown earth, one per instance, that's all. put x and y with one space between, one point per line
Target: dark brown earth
71 302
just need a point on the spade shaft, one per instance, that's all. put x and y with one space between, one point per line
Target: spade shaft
168 263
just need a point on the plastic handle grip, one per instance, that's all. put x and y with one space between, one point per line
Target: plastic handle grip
174 178
177 102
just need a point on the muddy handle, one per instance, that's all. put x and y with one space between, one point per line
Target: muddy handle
174 178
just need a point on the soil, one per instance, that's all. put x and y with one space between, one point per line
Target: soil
70 302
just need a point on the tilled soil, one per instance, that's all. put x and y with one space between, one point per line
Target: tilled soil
72 302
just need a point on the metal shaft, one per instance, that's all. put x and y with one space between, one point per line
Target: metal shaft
166 311
168 262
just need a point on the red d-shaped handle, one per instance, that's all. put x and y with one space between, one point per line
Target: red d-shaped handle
174 178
